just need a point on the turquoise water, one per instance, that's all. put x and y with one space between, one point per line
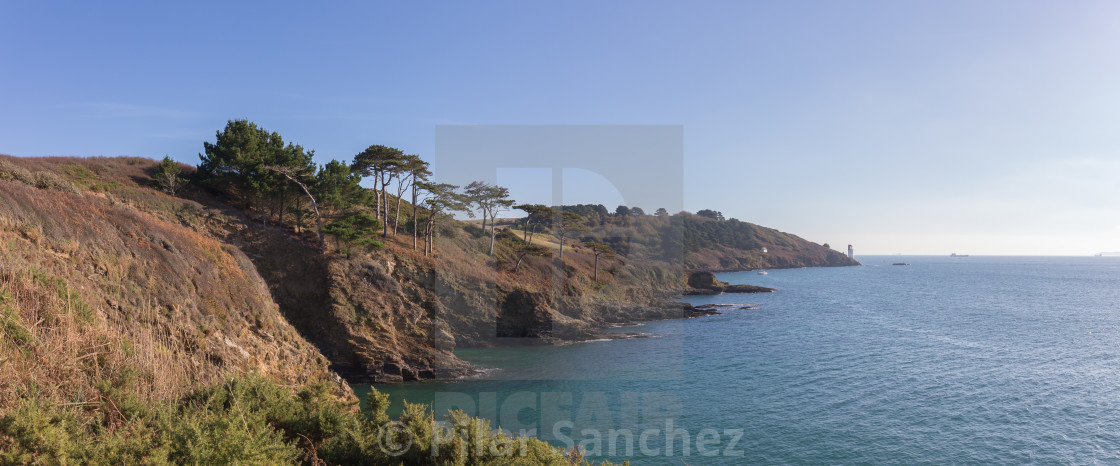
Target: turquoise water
962 360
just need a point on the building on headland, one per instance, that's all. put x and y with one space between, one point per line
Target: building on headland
851 253
764 249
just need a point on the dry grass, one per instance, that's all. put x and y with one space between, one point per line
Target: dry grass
102 287
56 349
44 179
463 255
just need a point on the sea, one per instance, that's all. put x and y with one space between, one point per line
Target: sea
946 360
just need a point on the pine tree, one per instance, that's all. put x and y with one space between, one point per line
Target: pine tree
166 176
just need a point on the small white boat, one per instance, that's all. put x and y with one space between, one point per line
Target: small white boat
762 272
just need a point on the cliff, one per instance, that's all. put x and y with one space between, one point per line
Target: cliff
185 289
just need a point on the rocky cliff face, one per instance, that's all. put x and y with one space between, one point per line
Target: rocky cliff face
370 326
546 302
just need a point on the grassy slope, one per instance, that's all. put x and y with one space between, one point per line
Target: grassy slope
111 283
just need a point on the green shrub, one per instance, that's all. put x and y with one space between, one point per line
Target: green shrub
249 419
13 329
356 229
166 176
66 295
229 436
105 186
78 173
51 180
35 432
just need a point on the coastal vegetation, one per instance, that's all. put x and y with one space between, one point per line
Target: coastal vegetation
250 419
159 312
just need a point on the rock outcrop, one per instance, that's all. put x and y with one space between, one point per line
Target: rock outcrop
705 280
705 283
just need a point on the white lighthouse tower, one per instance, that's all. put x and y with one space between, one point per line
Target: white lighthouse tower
851 253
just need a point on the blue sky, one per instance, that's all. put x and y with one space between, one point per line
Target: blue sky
915 127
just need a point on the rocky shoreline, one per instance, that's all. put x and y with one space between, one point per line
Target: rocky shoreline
701 283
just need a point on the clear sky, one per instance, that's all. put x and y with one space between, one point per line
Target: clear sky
981 127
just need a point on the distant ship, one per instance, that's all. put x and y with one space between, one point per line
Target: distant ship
900 263
762 272
958 255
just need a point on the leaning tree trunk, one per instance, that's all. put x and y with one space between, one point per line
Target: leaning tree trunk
400 196
315 207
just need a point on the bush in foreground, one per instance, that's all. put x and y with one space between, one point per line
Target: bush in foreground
249 419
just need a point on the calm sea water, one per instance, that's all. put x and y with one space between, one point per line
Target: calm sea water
946 360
